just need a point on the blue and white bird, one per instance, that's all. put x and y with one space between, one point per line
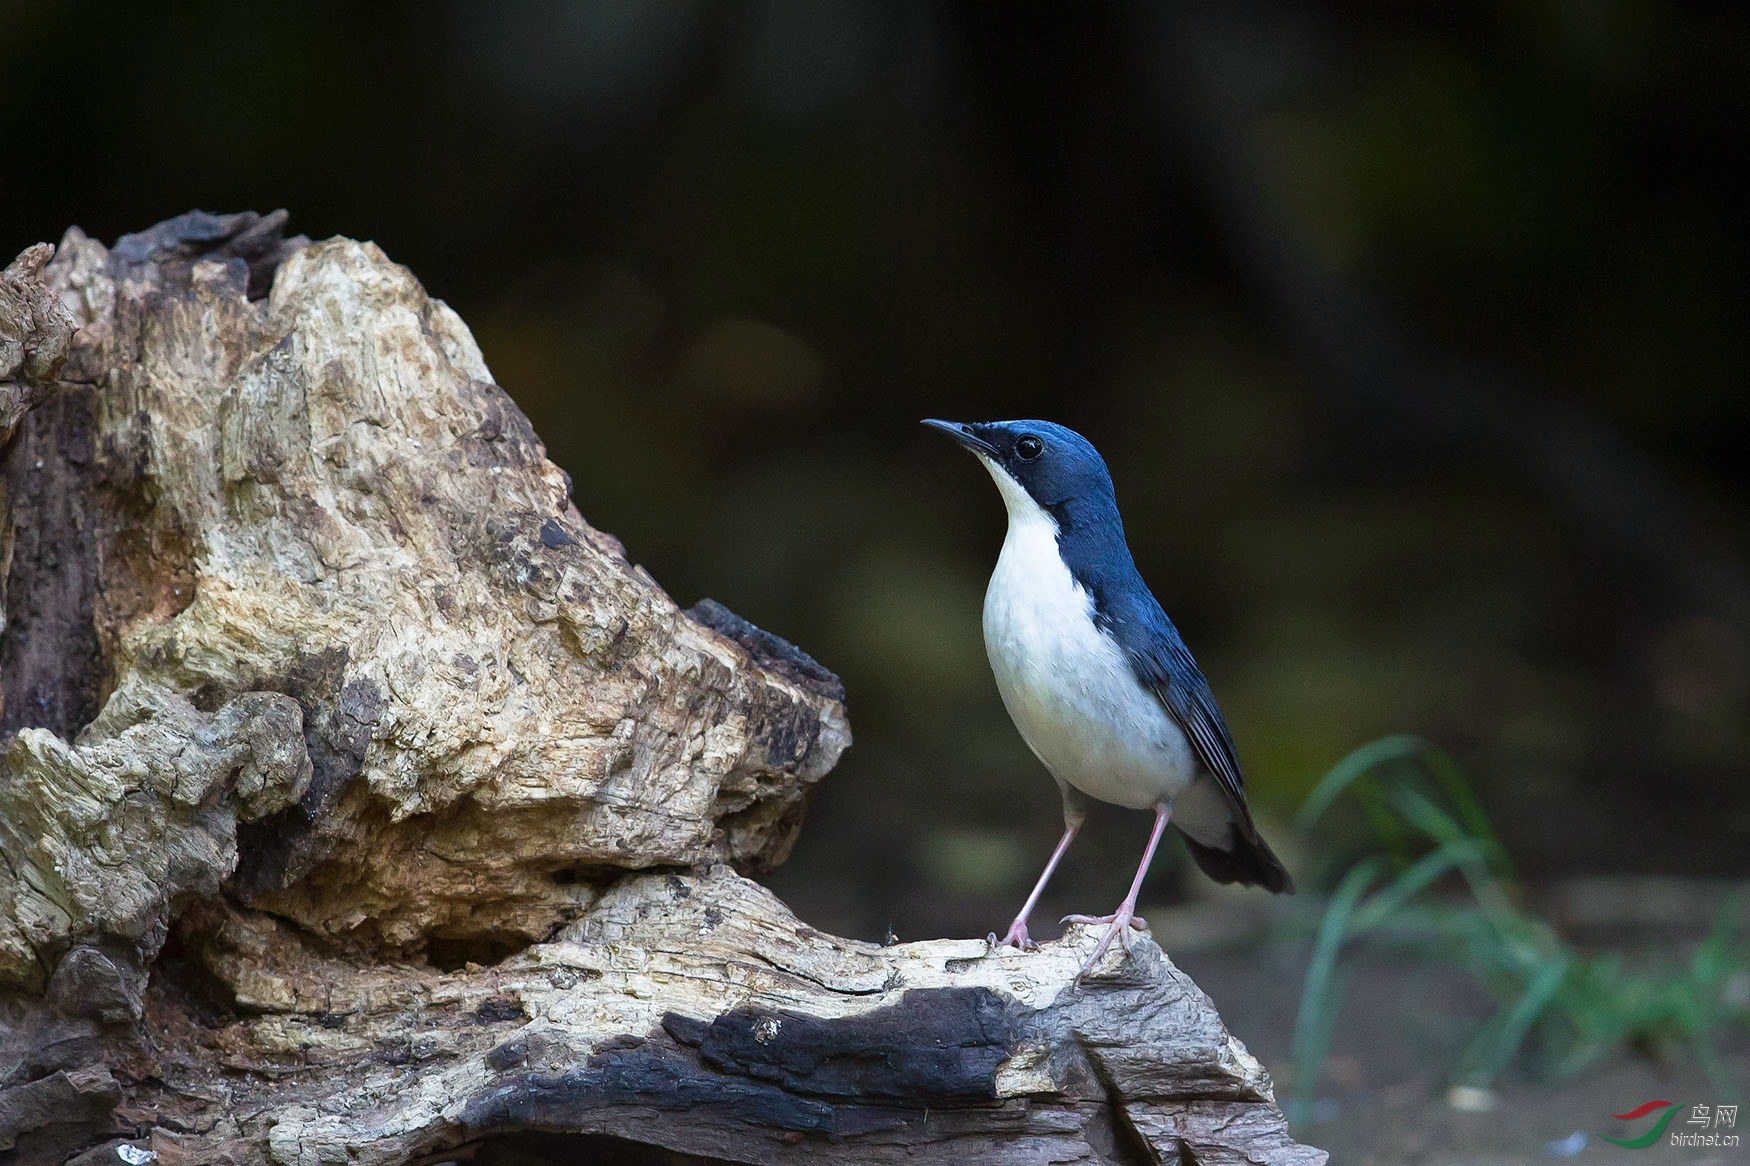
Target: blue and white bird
1095 675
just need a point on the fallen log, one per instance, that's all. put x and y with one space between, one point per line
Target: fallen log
359 802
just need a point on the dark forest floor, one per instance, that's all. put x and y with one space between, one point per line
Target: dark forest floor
1384 1099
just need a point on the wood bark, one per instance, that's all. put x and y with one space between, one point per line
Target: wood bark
359 802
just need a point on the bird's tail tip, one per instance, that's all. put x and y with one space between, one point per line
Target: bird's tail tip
1247 860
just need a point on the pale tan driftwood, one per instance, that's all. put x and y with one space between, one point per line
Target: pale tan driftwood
34 330
359 802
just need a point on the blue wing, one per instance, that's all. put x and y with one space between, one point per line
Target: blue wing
1166 666
1093 547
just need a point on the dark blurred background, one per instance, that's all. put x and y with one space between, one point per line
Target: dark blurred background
1415 335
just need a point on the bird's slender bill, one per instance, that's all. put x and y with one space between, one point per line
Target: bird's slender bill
962 434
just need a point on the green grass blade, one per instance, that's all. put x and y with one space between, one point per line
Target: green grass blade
1412 882
1426 822
1318 1001
1494 1047
1447 775
1352 768
1480 872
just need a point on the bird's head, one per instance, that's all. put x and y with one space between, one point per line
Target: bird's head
1036 462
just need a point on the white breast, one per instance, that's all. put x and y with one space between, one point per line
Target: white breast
1070 690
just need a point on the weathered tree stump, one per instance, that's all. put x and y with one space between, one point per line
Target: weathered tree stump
360 803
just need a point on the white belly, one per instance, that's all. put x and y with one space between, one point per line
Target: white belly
1069 688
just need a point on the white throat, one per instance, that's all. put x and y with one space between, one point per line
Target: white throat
1022 508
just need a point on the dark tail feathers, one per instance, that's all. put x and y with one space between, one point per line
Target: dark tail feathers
1246 859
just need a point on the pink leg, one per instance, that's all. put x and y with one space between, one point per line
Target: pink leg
1017 936
1122 919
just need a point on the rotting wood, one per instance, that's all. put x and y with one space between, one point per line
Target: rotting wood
361 803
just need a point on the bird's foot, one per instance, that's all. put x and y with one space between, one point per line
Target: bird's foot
1120 925
1137 922
1016 938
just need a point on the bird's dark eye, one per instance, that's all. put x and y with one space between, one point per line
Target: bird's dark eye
1028 447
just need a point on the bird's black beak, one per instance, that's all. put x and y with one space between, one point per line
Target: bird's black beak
964 435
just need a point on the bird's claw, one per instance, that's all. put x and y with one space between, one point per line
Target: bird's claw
1137 922
1120 926
1016 938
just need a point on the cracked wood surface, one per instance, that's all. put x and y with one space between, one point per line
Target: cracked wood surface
359 802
